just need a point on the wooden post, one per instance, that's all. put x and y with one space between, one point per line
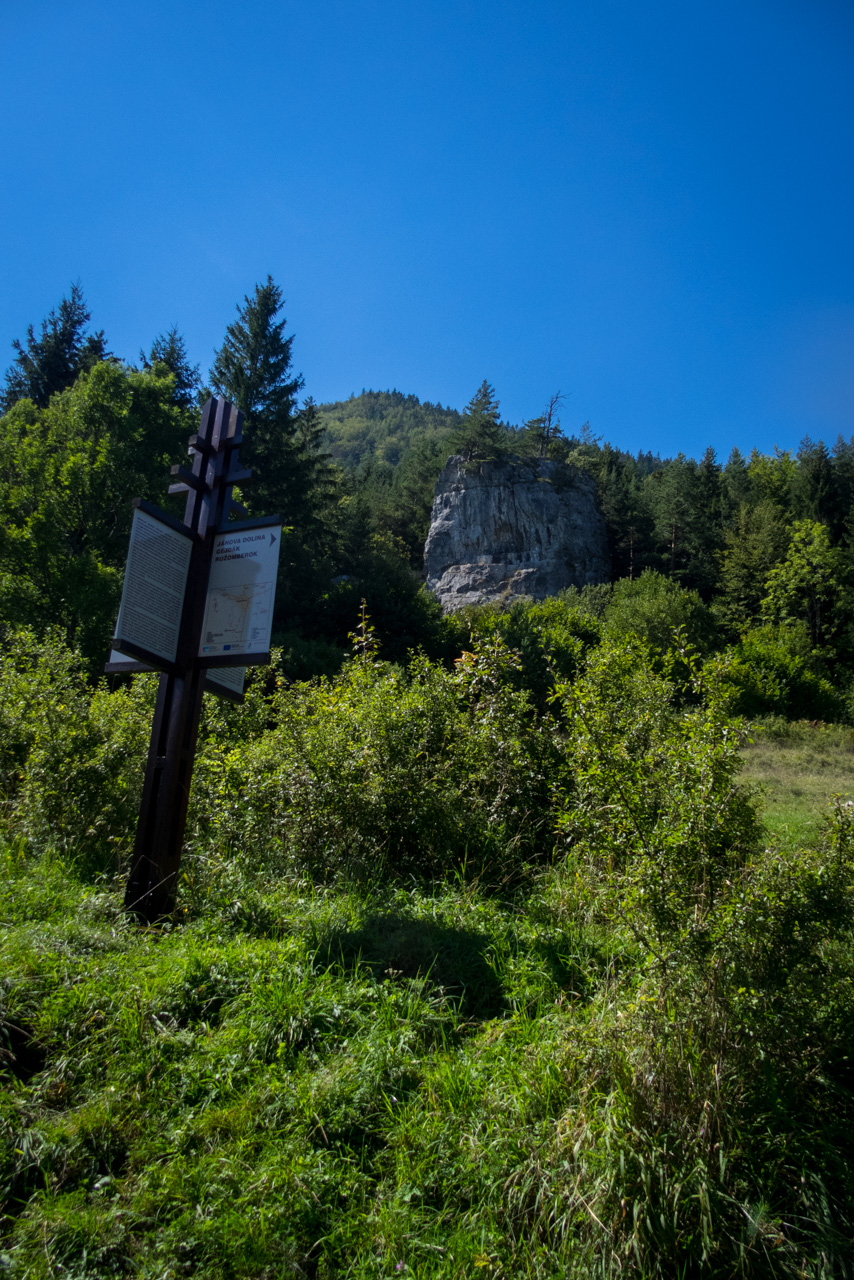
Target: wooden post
152 882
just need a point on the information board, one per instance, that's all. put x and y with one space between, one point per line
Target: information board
154 586
225 680
120 664
241 592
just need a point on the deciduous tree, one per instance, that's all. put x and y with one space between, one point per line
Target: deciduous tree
810 585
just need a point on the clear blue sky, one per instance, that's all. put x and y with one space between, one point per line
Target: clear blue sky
647 205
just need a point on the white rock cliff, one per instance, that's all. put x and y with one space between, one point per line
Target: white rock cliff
520 527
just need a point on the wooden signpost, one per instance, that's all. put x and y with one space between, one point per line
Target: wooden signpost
197 605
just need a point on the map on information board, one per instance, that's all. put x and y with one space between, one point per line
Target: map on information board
241 593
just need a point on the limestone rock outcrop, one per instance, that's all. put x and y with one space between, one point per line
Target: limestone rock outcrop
520 527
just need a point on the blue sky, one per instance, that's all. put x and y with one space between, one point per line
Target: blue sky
647 206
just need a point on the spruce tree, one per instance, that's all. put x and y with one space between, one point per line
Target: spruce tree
293 477
314 474
170 349
54 360
481 434
252 368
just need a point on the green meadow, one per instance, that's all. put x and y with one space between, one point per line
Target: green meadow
799 768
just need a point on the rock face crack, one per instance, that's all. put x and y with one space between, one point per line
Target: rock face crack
499 532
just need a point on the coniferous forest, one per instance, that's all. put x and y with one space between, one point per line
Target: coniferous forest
516 942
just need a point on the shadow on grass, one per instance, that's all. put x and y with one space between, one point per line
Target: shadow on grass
576 969
20 1053
398 946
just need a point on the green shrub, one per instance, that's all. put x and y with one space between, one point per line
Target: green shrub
652 607
384 771
650 813
773 671
551 637
70 758
710 1116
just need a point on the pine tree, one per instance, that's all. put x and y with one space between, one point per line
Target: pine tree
252 368
627 517
756 543
170 350
816 495
482 434
314 474
541 431
55 359
737 488
706 527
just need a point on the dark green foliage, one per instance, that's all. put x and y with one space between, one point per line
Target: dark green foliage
399 500
252 369
685 500
773 671
407 616
628 518
736 483
652 607
815 493
481 434
551 638
169 349
54 360
292 474
754 545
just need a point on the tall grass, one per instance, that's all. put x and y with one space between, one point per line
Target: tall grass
463 981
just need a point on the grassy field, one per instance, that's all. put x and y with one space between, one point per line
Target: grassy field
799 768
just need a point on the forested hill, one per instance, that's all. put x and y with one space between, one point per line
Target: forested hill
382 426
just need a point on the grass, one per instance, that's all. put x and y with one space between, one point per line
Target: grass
611 1070
799 767
293 1081
305 1083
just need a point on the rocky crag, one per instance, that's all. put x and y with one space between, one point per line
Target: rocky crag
520 527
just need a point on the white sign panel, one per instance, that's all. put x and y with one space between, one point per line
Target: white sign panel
226 677
241 592
155 582
117 660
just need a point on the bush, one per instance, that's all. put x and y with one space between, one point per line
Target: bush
652 607
386 772
70 759
710 1114
650 813
773 671
551 637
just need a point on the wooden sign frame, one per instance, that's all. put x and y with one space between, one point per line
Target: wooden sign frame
215 450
